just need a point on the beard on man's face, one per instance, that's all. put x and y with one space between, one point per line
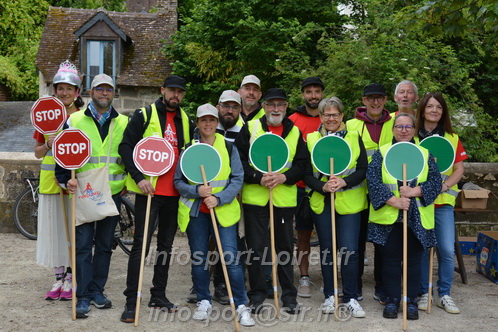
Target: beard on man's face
228 121
312 105
171 104
102 104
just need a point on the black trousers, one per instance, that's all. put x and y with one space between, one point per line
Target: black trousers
391 256
166 209
257 238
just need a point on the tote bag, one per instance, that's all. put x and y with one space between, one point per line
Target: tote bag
93 197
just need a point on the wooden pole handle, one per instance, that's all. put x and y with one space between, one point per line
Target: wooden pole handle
142 257
73 248
334 245
273 252
222 256
405 257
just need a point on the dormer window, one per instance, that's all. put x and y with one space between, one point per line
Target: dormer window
102 43
101 58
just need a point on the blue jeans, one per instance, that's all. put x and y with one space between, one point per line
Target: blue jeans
348 234
92 265
198 231
445 236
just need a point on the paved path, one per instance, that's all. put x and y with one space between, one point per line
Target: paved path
23 285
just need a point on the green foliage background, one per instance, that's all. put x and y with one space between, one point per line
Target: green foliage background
21 27
447 45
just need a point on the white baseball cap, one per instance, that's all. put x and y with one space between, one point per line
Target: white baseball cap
207 109
102 79
250 79
229 95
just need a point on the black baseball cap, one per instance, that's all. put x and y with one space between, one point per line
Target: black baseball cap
174 81
313 80
374 89
275 93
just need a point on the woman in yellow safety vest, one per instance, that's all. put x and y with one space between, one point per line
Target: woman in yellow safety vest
350 199
433 118
388 198
51 245
194 217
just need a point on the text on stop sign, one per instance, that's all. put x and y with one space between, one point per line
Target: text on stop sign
156 156
48 115
71 148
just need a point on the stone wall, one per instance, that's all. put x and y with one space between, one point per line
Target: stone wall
15 166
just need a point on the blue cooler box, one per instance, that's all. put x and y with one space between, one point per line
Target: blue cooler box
487 256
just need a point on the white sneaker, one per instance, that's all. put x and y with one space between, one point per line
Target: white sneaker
423 303
304 287
446 302
356 309
203 310
328 306
244 316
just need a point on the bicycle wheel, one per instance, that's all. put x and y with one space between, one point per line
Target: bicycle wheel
26 213
126 226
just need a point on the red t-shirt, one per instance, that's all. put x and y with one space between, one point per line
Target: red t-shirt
307 124
460 155
276 130
39 137
165 186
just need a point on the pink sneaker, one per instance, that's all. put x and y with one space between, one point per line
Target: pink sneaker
55 292
67 290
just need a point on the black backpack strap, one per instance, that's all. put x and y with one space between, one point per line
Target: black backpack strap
147 114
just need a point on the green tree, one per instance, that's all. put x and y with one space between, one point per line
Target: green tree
21 25
220 42
114 5
453 18
471 27
379 48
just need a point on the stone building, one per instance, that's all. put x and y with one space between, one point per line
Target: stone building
124 45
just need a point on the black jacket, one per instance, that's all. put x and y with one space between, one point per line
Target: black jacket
251 175
134 133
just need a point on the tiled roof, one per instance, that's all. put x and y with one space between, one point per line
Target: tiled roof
143 63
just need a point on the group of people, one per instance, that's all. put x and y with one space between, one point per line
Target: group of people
368 200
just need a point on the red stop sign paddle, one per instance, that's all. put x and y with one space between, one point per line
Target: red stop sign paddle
153 156
48 114
72 148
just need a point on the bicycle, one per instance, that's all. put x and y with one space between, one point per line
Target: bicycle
125 228
26 209
26 216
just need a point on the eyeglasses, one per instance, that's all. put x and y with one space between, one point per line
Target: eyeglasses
101 89
401 127
334 116
227 107
375 98
272 105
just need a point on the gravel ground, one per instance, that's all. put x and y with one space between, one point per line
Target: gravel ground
23 285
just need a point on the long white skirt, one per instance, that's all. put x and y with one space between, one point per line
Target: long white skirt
52 245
